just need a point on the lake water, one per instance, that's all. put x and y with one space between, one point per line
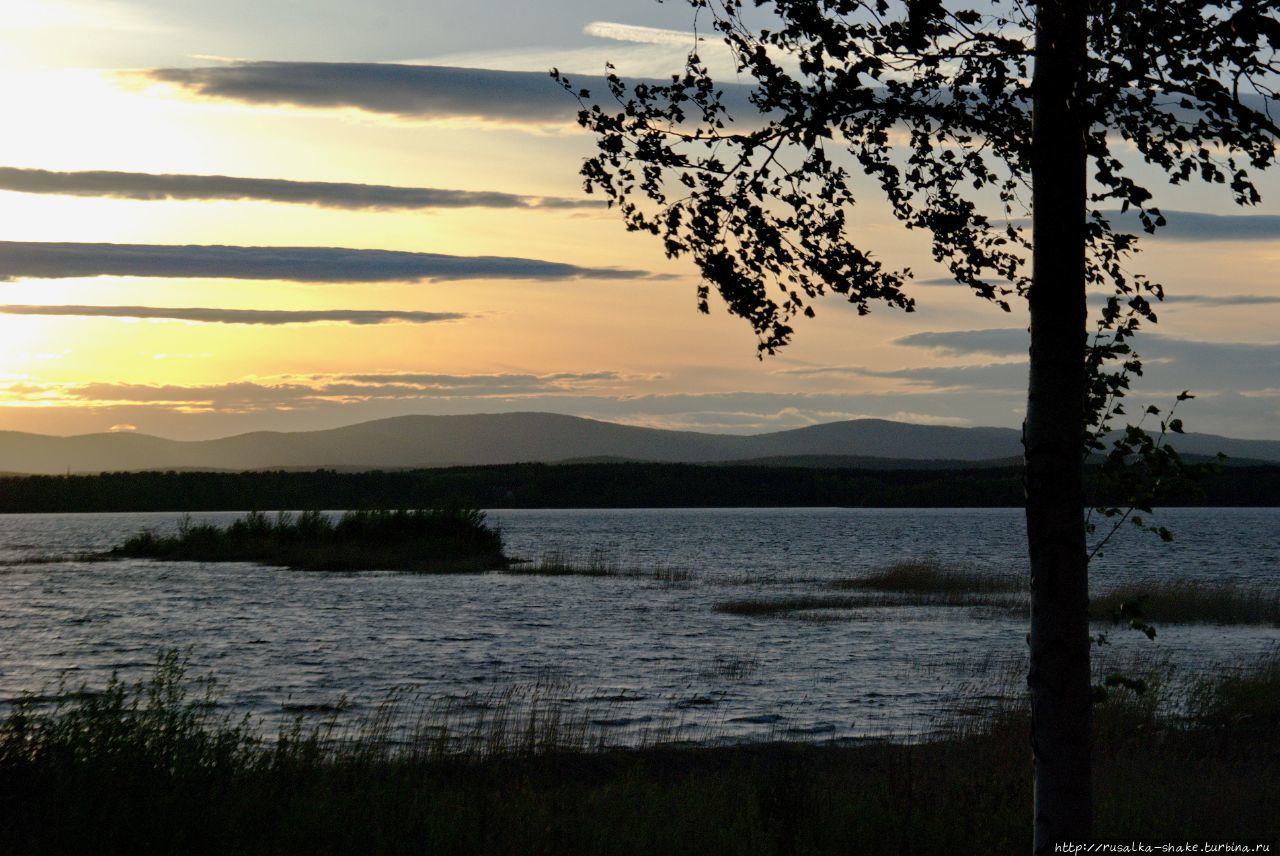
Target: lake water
635 655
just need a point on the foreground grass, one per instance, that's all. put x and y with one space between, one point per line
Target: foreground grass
1191 603
438 540
153 769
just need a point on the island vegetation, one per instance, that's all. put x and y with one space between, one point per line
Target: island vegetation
444 539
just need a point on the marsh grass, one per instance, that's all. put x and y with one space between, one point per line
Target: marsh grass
597 564
156 768
1189 602
827 607
929 584
436 540
931 577
732 667
781 605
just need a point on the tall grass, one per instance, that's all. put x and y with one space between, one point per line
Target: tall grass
1182 601
928 583
931 577
597 564
443 539
155 768
1240 701
806 604
757 606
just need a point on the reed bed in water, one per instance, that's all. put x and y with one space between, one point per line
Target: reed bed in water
1187 602
595 565
928 583
932 577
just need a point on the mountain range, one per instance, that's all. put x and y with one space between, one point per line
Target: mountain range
437 441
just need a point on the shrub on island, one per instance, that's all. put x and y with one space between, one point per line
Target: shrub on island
436 540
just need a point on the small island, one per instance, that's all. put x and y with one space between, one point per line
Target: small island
448 539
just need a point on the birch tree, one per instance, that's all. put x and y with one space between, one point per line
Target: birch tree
1009 132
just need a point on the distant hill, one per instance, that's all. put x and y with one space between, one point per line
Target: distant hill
507 438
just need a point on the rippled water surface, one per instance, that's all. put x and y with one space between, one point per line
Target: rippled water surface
630 652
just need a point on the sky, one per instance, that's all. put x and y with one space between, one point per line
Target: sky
252 214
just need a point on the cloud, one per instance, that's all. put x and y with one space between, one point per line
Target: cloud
997 376
325 194
404 91
253 403
489 384
1169 364
417 92
46 260
227 409
1191 226
642 35
1224 299
240 316
1181 226
291 391
1001 342
1099 299
1195 226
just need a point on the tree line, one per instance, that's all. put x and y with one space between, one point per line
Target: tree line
594 485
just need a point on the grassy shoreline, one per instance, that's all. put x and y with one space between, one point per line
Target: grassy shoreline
153 769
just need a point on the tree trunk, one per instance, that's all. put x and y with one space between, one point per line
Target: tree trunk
1053 434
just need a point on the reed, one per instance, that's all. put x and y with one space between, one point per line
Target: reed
1186 602
931 577
805 605
597 564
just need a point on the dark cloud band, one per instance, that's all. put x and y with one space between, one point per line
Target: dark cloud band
239 316
1003 342
1185 226
406 91
403 91
1224 299
47 260
1197 226
1169 363
325 194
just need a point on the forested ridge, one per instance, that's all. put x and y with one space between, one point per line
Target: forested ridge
594 485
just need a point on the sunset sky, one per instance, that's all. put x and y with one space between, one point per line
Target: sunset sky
242 215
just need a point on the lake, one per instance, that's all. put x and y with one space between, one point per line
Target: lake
638 656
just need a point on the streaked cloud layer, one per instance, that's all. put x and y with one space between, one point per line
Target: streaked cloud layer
1169 363
419 92
249 210
207 315
303 390
641 35
403 91
325 194
48 260
1201 226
